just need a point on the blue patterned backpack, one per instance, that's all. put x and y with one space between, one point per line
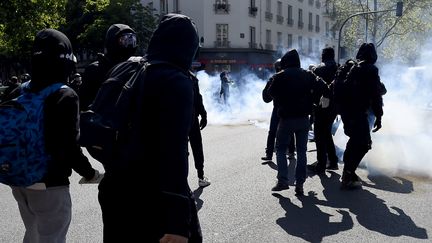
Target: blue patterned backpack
23 157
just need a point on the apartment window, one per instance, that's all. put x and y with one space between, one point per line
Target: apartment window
279 17
176 8
310 25
252 37
290 39
268 13
279 39
311 2
310 45
300 18
317 44
163 7
221 7
222 35
300 43
317 23
290 16
268 44
253 8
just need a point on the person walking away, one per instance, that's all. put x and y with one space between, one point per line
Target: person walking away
324 117
274 120
152 163
120 44
365 95
46 206
294 90
225 86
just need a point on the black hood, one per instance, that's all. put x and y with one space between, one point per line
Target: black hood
328 54
290 59
113 50
367 52
52 58
175 40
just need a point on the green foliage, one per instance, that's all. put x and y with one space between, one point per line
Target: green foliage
396 38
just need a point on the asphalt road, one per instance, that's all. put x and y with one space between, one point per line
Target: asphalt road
240 207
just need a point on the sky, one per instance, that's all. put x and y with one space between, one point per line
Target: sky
402 146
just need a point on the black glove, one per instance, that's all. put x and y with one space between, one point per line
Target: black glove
203 122
377 124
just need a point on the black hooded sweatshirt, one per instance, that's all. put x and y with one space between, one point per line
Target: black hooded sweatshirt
295 89
96 73
61 108
155 159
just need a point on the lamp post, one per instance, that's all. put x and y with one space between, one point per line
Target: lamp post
399 7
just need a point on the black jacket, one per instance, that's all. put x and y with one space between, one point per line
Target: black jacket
61 113
294 89
155 158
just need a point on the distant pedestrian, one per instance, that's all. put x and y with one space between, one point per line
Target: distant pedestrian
75 82
225 86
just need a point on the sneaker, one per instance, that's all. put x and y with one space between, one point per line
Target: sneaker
280 186
204 182
315 168
299 190
332 167
266 158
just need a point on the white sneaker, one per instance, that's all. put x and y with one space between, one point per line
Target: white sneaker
204 182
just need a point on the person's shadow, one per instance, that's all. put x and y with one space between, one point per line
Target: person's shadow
371 212
309 222
391 184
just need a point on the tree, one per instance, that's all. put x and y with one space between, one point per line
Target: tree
395 37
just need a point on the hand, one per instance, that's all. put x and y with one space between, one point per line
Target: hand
203 122
169 238
377 124
324 102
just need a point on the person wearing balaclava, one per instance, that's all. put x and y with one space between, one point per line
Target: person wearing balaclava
120 44
45 206
145 195
324 117
354 113
294 90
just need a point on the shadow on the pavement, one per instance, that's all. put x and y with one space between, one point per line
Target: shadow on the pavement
197 193
311 224
391 184
291 169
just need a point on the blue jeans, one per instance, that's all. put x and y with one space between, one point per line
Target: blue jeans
287 126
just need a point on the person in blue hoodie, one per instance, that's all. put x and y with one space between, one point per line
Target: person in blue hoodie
145 195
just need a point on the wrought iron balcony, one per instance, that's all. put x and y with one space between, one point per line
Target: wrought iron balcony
222 44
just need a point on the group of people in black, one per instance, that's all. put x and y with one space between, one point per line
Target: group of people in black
297 94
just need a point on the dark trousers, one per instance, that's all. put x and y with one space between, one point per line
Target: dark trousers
274 121
356 127
323 137
195 140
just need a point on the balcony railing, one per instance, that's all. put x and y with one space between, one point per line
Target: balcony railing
253 11
311 2
268 16
310 27
318 4
269 46
279 19
317 28
221 8
300 25
253 45
222 44
290 22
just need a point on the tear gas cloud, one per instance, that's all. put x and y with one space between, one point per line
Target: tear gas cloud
404 143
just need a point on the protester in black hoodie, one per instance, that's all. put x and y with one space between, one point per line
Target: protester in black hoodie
324 117
153 163
120 44
45 206
354 112
294 90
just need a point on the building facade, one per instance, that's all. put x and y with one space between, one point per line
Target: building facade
252 34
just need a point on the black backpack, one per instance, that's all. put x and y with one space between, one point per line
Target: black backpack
344 85
102 127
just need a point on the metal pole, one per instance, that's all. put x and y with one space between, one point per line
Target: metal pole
367 21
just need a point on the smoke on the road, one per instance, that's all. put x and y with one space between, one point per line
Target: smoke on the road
404 144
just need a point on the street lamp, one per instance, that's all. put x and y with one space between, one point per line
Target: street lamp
398 9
